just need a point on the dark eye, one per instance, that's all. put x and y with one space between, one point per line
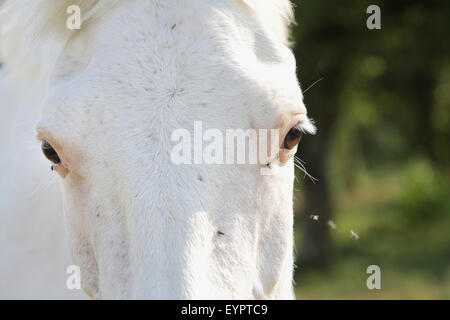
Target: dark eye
292 138
50 153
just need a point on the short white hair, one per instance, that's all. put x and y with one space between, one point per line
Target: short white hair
24 22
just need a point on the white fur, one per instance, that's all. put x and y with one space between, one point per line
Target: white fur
138 225
42 30
33 250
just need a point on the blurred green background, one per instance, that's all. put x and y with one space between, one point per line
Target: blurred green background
381 153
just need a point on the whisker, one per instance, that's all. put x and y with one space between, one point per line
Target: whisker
299 163
314 83
44 183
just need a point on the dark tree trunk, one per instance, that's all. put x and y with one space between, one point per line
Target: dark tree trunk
315 247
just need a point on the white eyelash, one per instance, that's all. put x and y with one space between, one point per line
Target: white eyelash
306 125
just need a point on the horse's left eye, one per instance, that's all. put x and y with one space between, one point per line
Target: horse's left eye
292 138
50 153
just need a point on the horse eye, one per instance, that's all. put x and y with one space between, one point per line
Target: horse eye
50 153
292 138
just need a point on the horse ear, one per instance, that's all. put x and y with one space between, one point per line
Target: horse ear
278 14
43 31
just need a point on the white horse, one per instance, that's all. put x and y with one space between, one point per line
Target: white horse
138 225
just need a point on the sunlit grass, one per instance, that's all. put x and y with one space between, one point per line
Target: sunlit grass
412 250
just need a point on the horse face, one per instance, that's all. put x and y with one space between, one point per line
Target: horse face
140 225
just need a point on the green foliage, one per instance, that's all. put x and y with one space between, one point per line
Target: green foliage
383 114
424 195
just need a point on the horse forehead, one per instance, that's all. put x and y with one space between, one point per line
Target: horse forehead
172 49
169 56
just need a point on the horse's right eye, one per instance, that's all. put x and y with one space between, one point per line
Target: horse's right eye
292 138
50 153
